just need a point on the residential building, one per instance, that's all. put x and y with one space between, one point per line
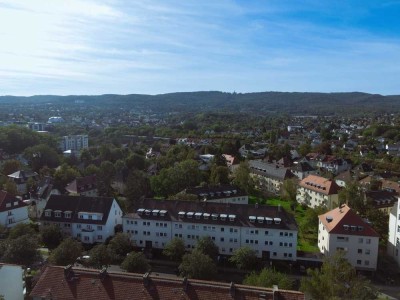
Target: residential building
220 194
344 178
69 283
35 126
12 286
316 191
269 177
75 143
84 186
393 248
268 230
89 219
302 169
342 229
13 210
38 200
21 178
382 200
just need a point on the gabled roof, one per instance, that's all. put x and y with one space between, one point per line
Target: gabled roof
303 166
57 283
341 219
345 176
82 184
242 212
216 192
269 170
22 174
6 198
76 204
320 184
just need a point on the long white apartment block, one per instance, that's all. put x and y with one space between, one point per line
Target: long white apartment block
268 230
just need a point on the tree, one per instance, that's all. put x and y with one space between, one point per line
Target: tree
136 161
135 262
137 186
51 236
21 250
207 246
353 195
11 166
268 278
219 175
99 256
242 177
64 175
337 279
119 246
198 265
11 187
105 178
41 155
22 229
66 253
174 249
244 258
289 190
310 221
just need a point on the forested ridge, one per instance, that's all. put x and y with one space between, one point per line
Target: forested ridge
260 103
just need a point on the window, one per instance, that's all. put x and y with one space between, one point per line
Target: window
67 225
222 229
67 215
266 232
366 262
99 237
358 261
78 226
368 241
359 251
360 240
222 239
57 214
99 227
367 251
273 253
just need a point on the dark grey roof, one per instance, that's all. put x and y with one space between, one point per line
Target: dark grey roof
303 167
216 192
77 204
269 170
241 211
22 174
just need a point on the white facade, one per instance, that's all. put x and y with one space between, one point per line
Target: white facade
155 231
350 235
74 142
78 224
13 213
11 283
243 199
394 233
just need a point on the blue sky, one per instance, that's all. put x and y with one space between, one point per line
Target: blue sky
147 46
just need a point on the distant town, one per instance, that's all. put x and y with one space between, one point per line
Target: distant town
175 203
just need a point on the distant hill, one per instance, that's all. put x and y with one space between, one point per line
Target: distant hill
257 103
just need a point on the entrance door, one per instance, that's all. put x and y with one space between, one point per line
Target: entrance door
149 244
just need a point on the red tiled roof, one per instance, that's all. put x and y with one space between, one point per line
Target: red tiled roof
57 283
320 185
344 215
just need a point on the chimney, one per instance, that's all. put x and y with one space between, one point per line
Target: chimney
146 279
103 273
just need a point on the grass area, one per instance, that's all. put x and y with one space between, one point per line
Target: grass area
306 242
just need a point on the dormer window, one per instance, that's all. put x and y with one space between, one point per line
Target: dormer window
67 215
232 218
277 221
360 228
353 228
197 215
189 215
57 214
47 213
260 220
252 219
214 217
346 227
223 217
206 216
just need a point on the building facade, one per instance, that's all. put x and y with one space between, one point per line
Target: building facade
393 248
342 229
13 210
318 191
269 177
268 230
74 143
88 219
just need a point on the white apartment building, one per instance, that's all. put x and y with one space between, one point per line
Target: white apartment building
219 194
89 219
268 230
13 210
394 232
269 177
316 191
342 229
74 143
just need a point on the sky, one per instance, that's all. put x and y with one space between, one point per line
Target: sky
91 47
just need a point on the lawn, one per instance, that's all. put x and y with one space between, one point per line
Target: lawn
306 242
